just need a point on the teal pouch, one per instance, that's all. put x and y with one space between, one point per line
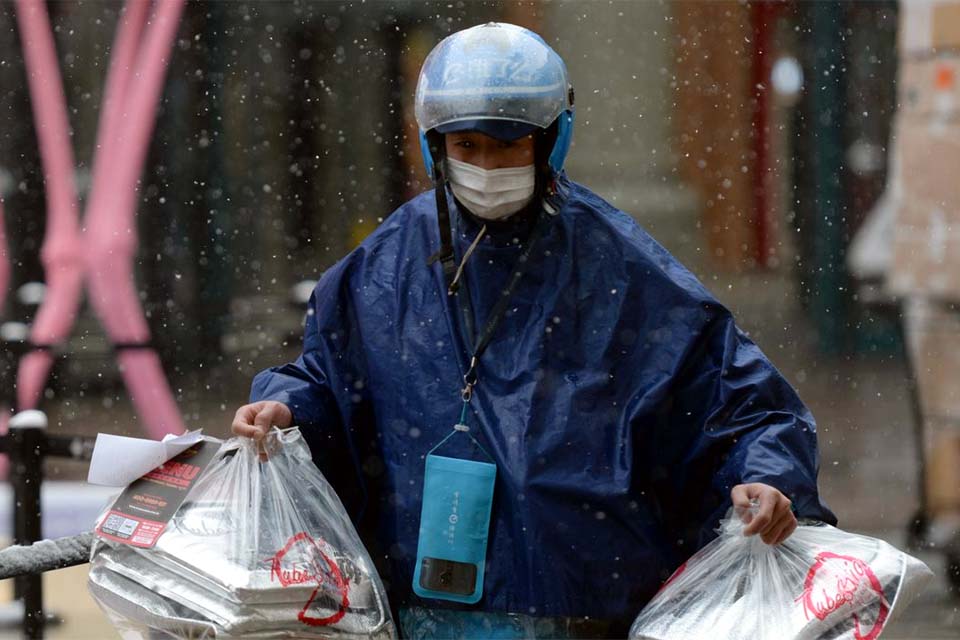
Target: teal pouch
454 525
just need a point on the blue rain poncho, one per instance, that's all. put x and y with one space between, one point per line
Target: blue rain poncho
618 399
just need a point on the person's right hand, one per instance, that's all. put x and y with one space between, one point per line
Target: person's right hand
256 419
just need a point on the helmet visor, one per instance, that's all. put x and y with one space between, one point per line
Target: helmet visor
505 130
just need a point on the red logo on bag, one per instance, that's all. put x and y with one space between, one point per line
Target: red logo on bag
835 583
302 561
673 576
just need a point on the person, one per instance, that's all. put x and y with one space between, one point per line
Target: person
622 407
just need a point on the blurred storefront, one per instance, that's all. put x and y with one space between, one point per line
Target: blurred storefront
743 136
284 136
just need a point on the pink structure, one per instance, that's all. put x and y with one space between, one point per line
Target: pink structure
101 254
133 91
61 253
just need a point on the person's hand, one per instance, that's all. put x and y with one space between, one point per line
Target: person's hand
774 521
255 421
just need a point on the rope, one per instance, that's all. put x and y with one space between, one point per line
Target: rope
463 263
45 555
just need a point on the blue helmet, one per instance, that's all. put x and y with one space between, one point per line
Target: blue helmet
497 78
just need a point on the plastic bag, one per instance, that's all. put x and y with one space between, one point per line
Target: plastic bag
820 584
258 549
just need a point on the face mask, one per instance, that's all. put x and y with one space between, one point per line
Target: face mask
493 194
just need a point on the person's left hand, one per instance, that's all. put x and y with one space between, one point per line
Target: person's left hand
774 521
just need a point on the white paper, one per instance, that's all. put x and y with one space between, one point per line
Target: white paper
118 460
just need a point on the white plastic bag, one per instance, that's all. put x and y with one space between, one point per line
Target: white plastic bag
258 549
820 584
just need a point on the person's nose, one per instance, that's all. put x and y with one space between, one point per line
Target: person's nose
486 160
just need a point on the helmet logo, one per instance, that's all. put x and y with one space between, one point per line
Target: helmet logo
506 71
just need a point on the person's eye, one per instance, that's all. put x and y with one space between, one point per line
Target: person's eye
464 144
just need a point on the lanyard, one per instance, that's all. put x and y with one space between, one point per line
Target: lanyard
462 428
551 206
499 310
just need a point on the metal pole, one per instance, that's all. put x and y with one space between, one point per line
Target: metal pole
27 436
917 528
827 87
13 344
762 17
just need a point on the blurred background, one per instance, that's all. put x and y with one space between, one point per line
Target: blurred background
802 158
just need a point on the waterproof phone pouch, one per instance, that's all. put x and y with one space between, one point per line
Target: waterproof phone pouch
454 524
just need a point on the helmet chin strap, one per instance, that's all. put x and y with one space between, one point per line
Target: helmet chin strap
445 253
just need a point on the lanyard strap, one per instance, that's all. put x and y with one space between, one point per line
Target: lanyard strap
499 310
445 253
556 195
461 428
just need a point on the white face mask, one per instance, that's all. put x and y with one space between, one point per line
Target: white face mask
493 194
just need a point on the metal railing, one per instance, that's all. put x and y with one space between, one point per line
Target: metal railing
27 444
